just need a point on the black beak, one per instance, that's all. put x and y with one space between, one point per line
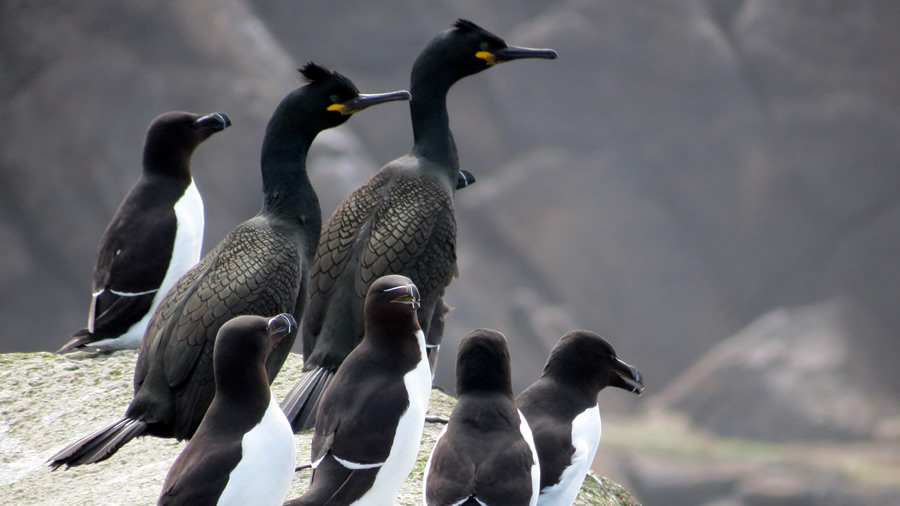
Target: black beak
626 377
464 178
363 100
406 294
519 53
216 121
281 325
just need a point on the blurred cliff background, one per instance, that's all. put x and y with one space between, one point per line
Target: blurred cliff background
711 185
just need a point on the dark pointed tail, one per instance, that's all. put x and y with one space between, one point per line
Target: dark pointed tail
100 445
302 402
80 339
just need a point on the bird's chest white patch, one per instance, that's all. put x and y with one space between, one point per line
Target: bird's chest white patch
586 429
407 436
188 236
264 473
185 254
536 467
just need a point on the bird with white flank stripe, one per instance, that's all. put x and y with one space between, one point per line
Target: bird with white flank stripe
154 237
371 417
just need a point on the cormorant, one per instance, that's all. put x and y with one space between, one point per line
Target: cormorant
401 221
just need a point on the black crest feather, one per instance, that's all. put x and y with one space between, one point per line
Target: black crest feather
466 25
313 72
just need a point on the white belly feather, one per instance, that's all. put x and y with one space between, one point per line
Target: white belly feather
264 474
586 430
185 254
406 438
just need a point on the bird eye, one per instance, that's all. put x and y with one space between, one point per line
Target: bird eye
484 46
334 99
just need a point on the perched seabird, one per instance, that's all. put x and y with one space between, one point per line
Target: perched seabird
260 267
243 452
561 409
485 454
401 221
372 415
154 237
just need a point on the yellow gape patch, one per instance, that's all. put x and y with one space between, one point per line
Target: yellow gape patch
488 57
339 108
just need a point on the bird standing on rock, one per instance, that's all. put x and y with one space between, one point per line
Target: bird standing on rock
260 267
371 418
154 237
400 221
561 409
485 454
243 452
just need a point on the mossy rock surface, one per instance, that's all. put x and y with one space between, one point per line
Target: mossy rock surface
48 401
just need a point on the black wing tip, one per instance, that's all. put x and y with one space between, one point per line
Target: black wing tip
79 340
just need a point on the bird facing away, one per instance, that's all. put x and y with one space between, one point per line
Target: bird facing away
401 221
243 452
260 267
561 409
154 237
372 414
485 454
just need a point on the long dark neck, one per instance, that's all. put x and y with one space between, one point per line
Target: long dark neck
432 138
289 195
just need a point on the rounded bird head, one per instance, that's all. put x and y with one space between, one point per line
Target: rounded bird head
583 357
327 100
482 363
248 339
173 137
392 300
467 49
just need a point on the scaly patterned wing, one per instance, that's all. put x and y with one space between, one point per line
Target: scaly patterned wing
255 270
413 234
339 235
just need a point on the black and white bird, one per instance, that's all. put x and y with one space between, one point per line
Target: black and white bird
401 221
372 415
154 237
243 452
485 454
260 267
561 409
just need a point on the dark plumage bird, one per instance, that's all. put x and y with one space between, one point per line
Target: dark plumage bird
243 452
401 221
372 415
561 409
486 453
464 178
154 237
260 267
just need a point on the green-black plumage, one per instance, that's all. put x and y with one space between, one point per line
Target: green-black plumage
401 221
259 268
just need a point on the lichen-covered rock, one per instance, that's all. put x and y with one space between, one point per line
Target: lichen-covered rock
47 401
